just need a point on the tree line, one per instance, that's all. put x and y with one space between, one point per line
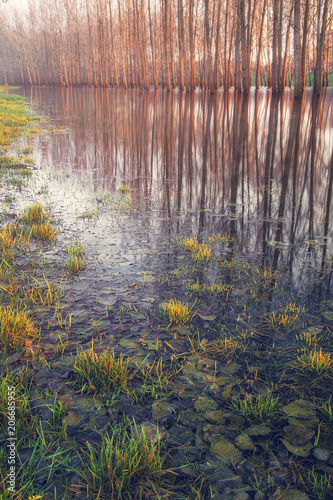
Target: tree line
168 43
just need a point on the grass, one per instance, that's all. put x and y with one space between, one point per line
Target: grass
76 261
16 326
14 387
178 312
316 362
201 252
155 380
36 217
124 189
256 408
11 236
286 317
35 214
13 118
101 372
43 231
126 463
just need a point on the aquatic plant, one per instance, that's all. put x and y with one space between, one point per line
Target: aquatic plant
155 380
101 372
318 484
256 407
16 326
126 459
178 312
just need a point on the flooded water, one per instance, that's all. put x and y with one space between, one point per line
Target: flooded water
259 169
206 223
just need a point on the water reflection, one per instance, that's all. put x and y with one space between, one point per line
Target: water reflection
259 168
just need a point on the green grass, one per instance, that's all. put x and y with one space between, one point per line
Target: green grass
316 362
76 261
16 326
124 465
178 312
124 189
102 372
13 118
14 387
35 214
256 407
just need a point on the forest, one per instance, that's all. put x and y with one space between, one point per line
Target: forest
188 44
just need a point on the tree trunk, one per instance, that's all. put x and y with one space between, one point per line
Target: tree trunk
122 47
274 45
298 85
321 27
245 59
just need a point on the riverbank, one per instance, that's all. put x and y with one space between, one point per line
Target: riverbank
192 370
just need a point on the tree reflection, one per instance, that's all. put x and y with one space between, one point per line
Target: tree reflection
258 167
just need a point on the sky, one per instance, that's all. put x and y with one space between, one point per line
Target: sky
19 4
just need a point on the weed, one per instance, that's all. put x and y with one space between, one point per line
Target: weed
57 426
254 408
103 372
318 484
16 326
13 117
194 289
17 182
178 312
126 459
220 238
327 410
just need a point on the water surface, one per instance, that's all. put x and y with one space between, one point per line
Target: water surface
258 168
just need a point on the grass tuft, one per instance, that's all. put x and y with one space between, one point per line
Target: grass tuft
256 408
101 372
16 326
76 261
35 214
126 461
124 189
43 231
315 361
178 312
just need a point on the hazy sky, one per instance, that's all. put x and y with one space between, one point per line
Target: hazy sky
20 4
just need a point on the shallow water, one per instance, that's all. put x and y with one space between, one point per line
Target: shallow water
260 173
259 169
